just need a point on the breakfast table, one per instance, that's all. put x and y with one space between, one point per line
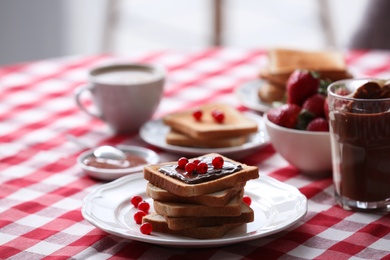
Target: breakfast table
42 188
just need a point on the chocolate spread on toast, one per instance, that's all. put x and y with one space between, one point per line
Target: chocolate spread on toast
193 178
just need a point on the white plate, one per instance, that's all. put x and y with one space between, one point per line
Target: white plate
248 95
111 174
277 206
154 132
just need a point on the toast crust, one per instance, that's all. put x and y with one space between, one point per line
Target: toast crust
218 198
179 139
175 186
174 209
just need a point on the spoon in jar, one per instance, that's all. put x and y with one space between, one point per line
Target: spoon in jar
103 152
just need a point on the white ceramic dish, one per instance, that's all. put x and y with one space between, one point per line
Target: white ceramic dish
111 174
277 206
307 150
247 94
154 132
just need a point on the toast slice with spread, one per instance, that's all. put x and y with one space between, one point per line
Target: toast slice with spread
168 177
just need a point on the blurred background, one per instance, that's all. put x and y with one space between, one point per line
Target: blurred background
38 29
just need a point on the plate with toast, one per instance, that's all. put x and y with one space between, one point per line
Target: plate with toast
239 134
275 206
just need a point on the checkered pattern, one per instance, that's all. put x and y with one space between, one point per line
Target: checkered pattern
41 187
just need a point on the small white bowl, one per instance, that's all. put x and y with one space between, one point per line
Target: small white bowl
308 151
111 174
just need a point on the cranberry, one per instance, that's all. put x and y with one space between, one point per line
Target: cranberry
247 200
197 114
138 216
190 167
181 163
135 200
144 206
218 115
201 168
146 228
217 162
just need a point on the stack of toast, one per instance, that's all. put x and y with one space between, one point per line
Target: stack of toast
186 131
204 210
282 62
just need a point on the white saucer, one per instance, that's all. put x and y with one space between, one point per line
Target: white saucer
248 96
154 132
277 206
111 174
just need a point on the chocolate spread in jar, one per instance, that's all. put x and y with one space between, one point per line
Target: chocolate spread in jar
193 178
363 144
130 161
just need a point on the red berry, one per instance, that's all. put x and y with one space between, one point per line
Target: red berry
326 108
197 114
300 85
138 216
285 115
146 228
201 168
218 115
196 161
181 163
315 105
190 167
247 200
135 200
144 206
318 124
217 162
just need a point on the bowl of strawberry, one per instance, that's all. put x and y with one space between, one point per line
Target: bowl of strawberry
299 128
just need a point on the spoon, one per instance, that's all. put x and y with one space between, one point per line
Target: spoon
109 152
103 152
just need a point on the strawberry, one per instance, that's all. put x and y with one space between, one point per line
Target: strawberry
318 124
286 115
315 104
326 108
300 85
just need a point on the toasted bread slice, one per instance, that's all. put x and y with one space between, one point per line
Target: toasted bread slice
153 174
287 60
218 198
179 139
160 225
269 93
175 209
234 124
246 216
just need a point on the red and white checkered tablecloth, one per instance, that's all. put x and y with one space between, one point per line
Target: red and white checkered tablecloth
42 188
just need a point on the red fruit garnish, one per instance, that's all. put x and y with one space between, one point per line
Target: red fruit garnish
196 161
247 200
318 124
217 162
181 163
144 206
285 115
135 200
190 167
218 115
315 104
146 228
197 114
201 168
300 85
138 216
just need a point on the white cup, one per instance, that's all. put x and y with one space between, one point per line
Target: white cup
125 95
